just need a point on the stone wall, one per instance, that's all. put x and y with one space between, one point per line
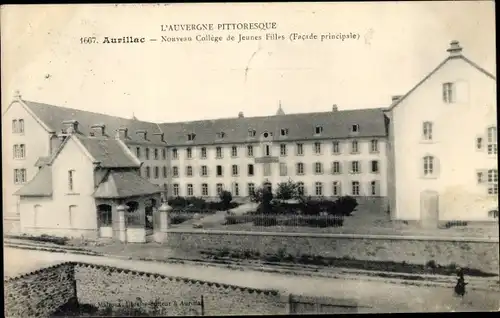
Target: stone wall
40 293
101 285
475 253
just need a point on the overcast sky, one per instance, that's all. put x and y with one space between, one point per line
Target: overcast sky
399 44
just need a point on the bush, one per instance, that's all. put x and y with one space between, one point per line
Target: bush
226 197
42 238
237 219
313 221
455 223
287 190
345 205
179 218
265 220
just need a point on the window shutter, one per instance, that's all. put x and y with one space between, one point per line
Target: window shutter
420 167
480 143
332 170
339 187
462 92
437 167
360 166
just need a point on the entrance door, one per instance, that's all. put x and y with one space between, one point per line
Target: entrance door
105 220
429 209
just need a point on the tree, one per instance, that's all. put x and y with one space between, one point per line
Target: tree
287 190
256 195
226 197
267 197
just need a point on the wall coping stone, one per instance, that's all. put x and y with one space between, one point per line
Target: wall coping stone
37 272
341 236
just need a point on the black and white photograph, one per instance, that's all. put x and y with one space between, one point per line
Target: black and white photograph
204 159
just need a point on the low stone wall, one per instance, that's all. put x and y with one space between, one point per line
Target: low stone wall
101 285
475 253
40 293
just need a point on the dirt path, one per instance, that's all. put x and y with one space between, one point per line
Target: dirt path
383 296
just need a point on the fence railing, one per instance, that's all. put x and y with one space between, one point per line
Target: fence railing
286 220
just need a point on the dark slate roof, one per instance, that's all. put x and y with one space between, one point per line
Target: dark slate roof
336 124
54 116
110 153
123 184
42 161
40 185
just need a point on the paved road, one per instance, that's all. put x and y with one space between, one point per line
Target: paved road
384 297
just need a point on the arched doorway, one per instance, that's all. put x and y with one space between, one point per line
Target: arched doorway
132 217
105 220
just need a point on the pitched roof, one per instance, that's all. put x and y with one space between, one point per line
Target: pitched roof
482 70
54 116
335 124
40 185
43 161
124 183
110 153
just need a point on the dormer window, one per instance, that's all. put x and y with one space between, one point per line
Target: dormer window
144 134
266 134
220 135
191 137
355 128
252 133
284 131
318 130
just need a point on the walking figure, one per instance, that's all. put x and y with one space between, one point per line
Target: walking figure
460 286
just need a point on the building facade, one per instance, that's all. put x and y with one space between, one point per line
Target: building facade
431 154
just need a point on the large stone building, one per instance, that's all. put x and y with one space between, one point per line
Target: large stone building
373 154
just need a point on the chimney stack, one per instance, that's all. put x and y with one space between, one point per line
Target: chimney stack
395 98
335 108
99 130
240 115
71 126
17 95
455 49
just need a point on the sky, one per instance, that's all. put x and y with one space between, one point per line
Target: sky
399 43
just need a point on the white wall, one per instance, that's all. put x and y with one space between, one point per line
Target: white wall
455 128
36 140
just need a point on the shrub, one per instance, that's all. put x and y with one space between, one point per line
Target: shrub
179 218
43 238
345 205
265 220
287 190
226 197
177 202
237 219
455 223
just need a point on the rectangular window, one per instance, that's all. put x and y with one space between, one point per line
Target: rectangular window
218 152
317 148
428 165
318 168
318 130
355 188
493 181
336 167
189 171
203 153
319 188
71 175
374 166
148 172
175 172
250 170
21 126
492 141
427 130
374 145
19 151
448 93
235 170
284 132
251 188
355 128
336 148
267 150
219 171
164 153
164 171
300 149
283 169
138 152
204 171
354 146
250 151
189 153
234 151
300 168
354 166
236 189
157 172
204 189
219 188
175 154
190 190
147 153
176 190
282 150
156 154
14 126
267 169
251 133
336 188
19 176
373 188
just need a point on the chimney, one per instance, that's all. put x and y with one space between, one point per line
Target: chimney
17 95
99 130
142 132
122 133
395 98
162 136
455 49
335 108
71 126
240 115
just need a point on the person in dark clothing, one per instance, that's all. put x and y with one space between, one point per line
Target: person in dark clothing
460 286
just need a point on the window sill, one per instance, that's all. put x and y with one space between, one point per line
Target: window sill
299 154
336 153
355 153
20 159
72 193
219 176
429 177
235 175
427 142
375 172
375 152
219 157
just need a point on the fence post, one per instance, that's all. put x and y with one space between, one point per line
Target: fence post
202 306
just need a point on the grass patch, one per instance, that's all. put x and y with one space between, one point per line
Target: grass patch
42 238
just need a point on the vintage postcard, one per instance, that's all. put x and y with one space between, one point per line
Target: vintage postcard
249 158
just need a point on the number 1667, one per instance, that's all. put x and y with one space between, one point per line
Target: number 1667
88 40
